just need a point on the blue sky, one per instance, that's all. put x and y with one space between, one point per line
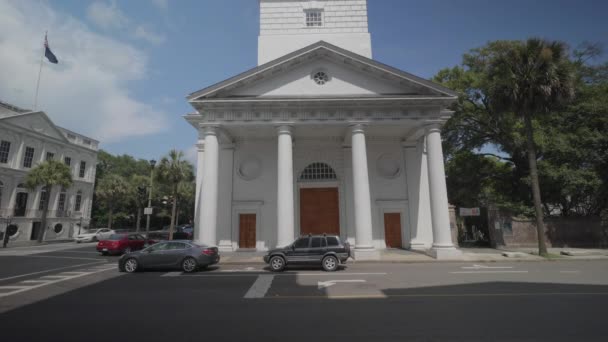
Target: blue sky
126 66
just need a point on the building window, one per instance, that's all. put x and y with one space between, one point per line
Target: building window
86 142
58 228
28 157
61 202
5 148
1 188
314 18
50 156
71 136
83 167
43 197
67 161
320 77
78 201
318 172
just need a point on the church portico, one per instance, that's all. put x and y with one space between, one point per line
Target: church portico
322 140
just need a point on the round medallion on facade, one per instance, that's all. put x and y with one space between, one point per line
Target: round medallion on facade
387 166
320 77
12 231
249 168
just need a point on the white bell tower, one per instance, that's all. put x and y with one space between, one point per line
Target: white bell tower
289 25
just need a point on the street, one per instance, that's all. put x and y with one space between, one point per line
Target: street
76 295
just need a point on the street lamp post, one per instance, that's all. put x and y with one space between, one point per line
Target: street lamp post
149 208
6 237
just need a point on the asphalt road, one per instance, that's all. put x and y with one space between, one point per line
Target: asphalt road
520 301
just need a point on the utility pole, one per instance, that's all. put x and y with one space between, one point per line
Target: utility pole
148 210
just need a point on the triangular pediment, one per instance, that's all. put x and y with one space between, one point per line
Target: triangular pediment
38 122
348 75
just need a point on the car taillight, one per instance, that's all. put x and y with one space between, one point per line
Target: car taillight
208 251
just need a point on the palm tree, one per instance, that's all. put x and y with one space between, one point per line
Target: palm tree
112 190
172 170
47 175
139 191
532 78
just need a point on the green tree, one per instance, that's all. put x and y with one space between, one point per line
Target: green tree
139 191
532 78
112 190
47 175
173 170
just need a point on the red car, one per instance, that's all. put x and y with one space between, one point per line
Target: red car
122 243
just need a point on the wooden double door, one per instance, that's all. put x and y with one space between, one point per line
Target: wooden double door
319 211
392 230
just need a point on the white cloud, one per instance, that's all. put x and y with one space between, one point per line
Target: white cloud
143 33
161 4
88 90
191 155
106 15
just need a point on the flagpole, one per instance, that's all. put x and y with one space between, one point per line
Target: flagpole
39 73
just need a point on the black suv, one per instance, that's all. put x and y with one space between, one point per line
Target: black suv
326 250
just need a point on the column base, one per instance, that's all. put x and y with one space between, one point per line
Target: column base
365 254
418 246
445 253
225 246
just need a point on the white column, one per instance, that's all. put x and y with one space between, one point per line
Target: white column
363 210
209 195
200 155
285 216
442 237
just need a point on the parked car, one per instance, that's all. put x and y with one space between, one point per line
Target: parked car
96 235
163 235
325 250
122 243
178 254
186 229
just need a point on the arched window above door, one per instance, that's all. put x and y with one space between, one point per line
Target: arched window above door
318 172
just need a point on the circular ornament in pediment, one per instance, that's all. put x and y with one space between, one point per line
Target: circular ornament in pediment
388 166
249 168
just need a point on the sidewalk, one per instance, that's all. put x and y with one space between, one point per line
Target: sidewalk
27 248
468 255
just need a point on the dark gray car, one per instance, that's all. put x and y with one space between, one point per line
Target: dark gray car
177 254
325 250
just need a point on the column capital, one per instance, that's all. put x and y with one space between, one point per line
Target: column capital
284 128
409 144
433 126
208 129
357 126
200 146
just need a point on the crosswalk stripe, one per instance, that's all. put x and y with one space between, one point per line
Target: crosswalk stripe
172 274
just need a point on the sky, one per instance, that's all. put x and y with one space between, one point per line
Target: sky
125 67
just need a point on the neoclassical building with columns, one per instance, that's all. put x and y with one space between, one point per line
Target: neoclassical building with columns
321 138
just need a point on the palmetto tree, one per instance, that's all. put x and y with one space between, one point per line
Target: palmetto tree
47 175
173 170
139 191
532 78
112 190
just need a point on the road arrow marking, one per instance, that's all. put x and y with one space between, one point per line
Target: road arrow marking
479 267
328 283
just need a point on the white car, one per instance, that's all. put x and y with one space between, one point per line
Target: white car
96 235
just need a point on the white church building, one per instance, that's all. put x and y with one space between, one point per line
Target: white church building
321 138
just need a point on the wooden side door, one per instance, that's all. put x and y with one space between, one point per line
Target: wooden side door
247 228
392 230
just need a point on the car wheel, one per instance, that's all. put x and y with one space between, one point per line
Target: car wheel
277 263
104 253
127 250
131 265
330 263
189 265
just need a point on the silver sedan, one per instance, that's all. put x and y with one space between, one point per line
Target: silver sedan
178 254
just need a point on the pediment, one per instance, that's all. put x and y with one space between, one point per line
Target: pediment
37 122
349 75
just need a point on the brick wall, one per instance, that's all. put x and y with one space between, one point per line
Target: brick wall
559 231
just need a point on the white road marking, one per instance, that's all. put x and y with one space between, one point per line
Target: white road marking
34 281
247 269
328 283
284 274
486 272
57 276
569 271
477 267
60 257
260 286
49 270
335 274
72 273
53 280
172 274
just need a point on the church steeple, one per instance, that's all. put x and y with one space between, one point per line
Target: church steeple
289 25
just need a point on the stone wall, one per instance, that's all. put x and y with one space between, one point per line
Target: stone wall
559 231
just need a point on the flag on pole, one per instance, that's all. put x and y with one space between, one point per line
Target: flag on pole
48 53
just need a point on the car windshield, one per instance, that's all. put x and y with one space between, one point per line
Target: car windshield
116 237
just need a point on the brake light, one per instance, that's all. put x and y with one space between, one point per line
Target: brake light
208 251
